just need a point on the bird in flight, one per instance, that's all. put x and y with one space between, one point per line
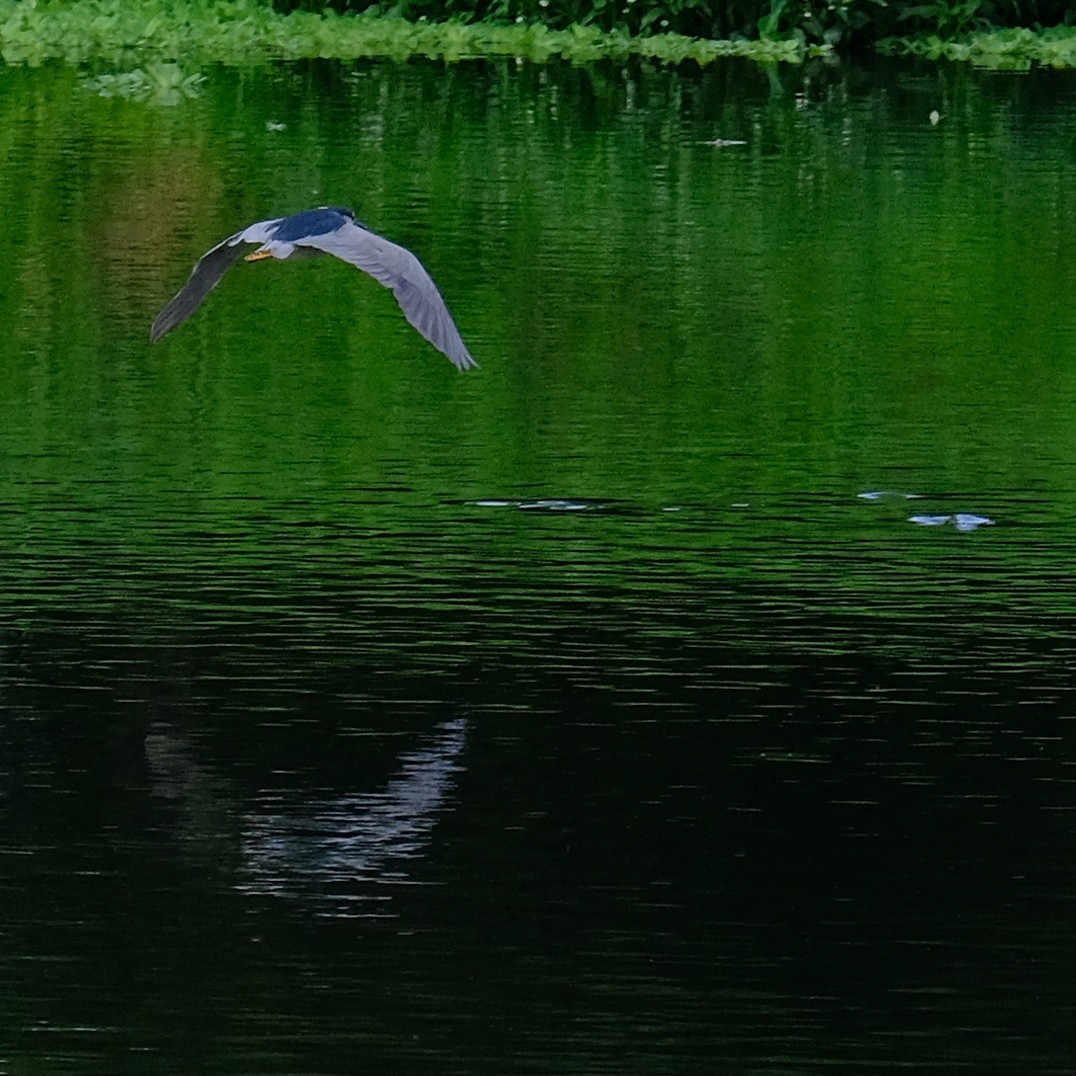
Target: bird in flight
327 230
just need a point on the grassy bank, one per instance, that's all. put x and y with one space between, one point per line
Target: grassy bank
861 22
1015 49
244 31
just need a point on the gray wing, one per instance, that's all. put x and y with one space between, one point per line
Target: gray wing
398 269
206 276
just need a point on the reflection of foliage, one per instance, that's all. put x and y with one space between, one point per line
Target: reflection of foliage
824 297
157 83
782 288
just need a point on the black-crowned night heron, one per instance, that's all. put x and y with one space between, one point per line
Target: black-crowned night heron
328 230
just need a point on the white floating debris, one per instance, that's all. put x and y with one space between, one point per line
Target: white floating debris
273 125
935 118
541 505
887 494
721 143
558 506
963 521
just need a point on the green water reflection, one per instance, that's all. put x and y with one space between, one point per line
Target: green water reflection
703 750
853 291
855 300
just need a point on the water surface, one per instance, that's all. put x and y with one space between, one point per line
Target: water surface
609 708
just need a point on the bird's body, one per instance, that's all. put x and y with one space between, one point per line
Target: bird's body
327 230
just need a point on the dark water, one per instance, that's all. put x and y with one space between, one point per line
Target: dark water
688 689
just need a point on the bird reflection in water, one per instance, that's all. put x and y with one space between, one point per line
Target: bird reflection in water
337 855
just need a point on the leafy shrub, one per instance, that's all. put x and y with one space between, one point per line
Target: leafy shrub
817 20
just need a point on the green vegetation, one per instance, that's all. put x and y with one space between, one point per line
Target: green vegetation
243 31
1015 49
670 31
824 21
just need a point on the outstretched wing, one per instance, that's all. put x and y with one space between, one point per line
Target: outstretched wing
397 268
206 276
